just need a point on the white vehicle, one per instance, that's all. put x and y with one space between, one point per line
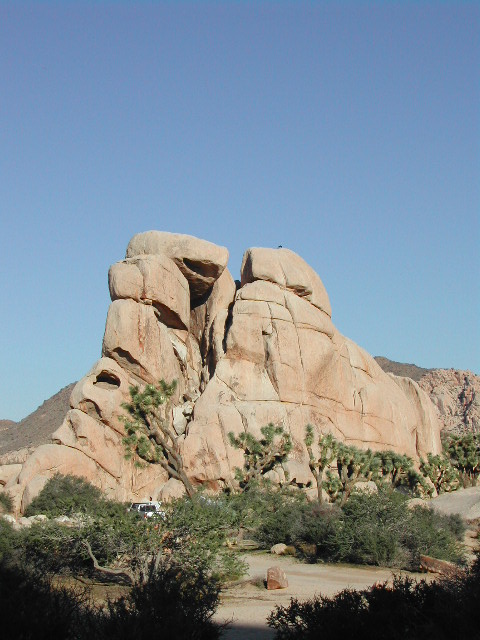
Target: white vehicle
147 509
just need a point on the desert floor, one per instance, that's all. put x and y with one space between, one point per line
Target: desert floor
247 604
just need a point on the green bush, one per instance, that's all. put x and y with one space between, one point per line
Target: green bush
197 530
31 607
282 520
291 519
119 542
406 609
65 496
173 602
370 528
380 529
433 534
6 502
9 539
170 601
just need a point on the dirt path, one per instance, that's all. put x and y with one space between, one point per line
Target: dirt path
248 605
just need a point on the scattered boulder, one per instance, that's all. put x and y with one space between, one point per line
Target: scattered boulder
39 517
279 549
65 520
366 487
9 471
441 567
276 579
413 503
25 522
463 502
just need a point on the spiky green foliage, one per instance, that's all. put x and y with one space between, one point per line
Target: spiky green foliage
353 465
398 471
440 471
151 437
261 455
464 454
326 450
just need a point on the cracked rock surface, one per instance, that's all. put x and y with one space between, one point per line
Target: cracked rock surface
265 352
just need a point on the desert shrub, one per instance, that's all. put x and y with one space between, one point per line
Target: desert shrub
31 607
371 525
283 523
51 548
197 529
434 534
379 528
406 609
6 502
8 539
293 521
117 539
370 528
172 602
67 495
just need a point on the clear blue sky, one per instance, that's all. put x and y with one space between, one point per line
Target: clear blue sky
348 132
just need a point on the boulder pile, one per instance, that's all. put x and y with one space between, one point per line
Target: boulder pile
244 354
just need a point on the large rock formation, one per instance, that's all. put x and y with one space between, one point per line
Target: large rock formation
267 352
456 396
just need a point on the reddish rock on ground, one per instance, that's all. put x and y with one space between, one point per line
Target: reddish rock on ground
276 579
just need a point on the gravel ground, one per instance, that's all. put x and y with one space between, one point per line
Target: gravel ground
248 605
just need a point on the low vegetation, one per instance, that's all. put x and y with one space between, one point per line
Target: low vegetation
370 528
6 502
404 609
171 601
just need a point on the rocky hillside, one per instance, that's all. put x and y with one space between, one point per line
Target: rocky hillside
401 369
36 428
456 395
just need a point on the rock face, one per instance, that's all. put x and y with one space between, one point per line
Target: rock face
267 352
456 396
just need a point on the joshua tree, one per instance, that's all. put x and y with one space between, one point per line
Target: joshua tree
464 453
353 465
261 455
150 433
327 448
441 472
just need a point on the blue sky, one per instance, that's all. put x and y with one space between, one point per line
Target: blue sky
348 132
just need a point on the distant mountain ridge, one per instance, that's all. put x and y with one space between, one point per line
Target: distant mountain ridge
37 427
402 369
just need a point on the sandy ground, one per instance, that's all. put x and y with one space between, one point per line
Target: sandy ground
247 605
